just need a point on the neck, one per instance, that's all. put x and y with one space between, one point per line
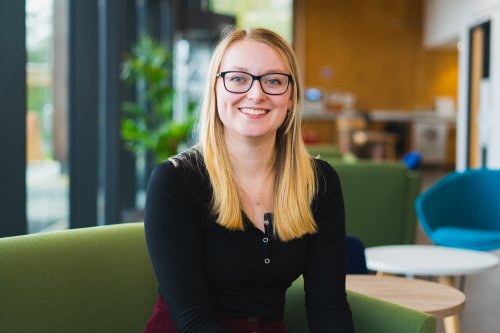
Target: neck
251 158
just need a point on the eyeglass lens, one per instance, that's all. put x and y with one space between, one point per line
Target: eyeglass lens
241 82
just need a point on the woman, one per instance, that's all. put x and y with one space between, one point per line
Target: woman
232 222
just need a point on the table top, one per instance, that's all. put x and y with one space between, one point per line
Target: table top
429 260
436 299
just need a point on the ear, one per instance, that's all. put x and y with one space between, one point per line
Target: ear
290 104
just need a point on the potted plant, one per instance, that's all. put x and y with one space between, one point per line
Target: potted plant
148 124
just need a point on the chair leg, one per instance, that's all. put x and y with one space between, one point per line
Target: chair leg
452 281
452 324
448 280
461 283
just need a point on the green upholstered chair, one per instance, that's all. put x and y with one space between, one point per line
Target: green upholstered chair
323 150
379 200
100 280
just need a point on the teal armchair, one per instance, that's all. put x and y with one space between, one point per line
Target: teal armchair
100 280
462 210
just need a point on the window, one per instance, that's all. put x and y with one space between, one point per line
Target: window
276 15
46 168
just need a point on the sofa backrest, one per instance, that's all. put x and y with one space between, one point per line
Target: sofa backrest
85 280
379 201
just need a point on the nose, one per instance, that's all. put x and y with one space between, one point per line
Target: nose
256 92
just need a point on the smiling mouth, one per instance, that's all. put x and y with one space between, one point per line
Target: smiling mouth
253 112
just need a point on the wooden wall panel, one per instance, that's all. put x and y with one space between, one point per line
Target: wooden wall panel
436 75
373 48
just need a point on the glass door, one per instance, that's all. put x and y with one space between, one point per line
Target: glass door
479 109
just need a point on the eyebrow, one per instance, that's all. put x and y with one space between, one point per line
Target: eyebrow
243 69
240 69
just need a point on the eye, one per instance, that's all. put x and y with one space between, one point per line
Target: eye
237 78
275 80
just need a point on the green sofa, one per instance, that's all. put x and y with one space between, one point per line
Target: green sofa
100 280
379 200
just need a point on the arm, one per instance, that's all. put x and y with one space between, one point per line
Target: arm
324 278
174 238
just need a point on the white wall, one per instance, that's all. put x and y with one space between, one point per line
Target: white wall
449 21
494 118
444 19
488 129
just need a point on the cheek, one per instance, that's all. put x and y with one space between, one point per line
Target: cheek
225 105
285 103
225 99
219 95
280 119
221 103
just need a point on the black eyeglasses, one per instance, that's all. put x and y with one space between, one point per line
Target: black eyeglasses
240 82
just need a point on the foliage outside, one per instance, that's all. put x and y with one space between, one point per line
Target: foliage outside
276 15
148 124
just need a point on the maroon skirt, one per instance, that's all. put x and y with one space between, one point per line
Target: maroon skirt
160 322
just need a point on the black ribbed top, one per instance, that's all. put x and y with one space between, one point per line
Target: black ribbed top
205 270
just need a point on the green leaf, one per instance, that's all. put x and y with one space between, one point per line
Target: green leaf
151 126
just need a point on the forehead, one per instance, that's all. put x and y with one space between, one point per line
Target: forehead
252 56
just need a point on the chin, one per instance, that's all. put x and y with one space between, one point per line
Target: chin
260 134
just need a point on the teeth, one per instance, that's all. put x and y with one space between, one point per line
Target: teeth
253 112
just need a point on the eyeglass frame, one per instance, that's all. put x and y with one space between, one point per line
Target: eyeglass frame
254 77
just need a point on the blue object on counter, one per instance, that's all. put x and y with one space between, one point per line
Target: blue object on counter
412 160
313 94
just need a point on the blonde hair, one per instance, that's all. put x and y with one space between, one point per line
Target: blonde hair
295 182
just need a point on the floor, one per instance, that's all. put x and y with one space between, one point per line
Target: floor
482 291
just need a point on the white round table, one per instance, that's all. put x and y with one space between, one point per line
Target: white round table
428 260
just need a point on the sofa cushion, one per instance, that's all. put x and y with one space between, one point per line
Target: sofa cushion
475 239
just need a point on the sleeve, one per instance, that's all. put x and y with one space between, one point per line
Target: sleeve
174 242
324 278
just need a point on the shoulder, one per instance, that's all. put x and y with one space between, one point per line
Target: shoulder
322 165
328 185
326 175
180 168
328 200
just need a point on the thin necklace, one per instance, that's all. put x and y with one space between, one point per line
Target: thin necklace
258 200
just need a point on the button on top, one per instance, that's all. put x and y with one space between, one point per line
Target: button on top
265 239
266 222
267 260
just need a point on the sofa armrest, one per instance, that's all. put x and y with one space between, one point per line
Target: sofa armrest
370 315
378 316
